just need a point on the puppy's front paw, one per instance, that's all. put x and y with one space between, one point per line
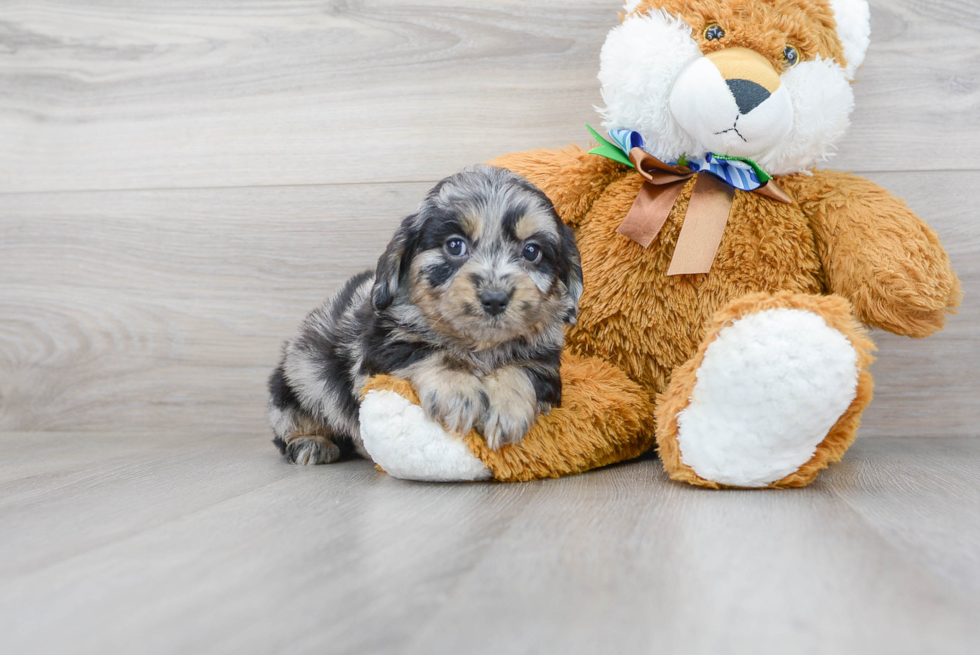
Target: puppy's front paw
456 401
308 450
501 427
512 407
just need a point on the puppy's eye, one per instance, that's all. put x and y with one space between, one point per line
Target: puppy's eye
713 32
532 253
456 247
791 56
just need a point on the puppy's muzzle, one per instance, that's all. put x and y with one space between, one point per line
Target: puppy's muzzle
495 301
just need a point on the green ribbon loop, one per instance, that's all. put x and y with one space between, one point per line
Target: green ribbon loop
609 150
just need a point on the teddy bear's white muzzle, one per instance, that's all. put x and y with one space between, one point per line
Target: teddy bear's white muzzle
730 114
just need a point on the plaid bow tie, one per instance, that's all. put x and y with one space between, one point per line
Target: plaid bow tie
740 173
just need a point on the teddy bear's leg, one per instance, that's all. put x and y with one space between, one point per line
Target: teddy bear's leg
773 395
604 418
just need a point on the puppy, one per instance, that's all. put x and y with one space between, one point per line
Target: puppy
468 303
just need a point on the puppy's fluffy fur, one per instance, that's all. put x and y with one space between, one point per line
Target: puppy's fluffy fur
468 303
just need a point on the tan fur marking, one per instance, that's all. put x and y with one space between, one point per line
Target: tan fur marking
534 223
473 226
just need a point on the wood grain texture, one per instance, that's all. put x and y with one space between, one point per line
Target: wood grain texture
168 308
111 95
161 544
165 310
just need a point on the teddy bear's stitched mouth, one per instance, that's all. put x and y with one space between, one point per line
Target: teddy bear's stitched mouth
733 128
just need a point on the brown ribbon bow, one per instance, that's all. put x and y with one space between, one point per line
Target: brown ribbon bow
707 213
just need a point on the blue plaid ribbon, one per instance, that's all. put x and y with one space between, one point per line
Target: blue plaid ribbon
739 174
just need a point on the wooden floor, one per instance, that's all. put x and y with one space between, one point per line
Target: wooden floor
174 544
181 181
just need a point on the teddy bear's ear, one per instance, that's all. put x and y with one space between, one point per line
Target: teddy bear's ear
854 30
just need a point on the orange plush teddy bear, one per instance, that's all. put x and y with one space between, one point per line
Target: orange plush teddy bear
725 281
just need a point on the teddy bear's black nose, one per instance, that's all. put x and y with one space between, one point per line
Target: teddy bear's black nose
748 95
494 301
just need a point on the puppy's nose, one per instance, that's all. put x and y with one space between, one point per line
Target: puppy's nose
494 301
748 94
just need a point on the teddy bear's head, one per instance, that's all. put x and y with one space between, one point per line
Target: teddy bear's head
768 80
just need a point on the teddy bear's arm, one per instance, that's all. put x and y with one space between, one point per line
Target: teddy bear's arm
877 253
572 178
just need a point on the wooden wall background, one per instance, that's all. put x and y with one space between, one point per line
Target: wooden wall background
181 182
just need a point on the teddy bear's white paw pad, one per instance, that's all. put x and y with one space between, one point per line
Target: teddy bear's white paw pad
769 390
406 444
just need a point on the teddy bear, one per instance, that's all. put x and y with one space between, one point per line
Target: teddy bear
728 282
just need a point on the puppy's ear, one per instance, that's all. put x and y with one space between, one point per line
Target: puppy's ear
572 273
393 265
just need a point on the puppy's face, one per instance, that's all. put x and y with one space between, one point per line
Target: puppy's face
485 260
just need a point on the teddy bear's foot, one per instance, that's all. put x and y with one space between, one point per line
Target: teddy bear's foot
407 444
773 395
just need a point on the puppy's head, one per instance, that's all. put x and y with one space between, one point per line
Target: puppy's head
485 259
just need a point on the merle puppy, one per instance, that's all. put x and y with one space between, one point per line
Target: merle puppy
468 303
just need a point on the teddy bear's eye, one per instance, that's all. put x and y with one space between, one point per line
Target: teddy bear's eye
713 32
791 56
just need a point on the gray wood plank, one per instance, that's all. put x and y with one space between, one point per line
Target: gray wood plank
668 568
216 546
141 310
222 547
919 497
299 92
104 501
32 463
165 310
